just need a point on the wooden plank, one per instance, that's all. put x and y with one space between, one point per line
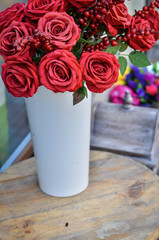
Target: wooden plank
129 132
121 202
26 153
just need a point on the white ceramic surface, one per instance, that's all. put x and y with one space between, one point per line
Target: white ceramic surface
61 140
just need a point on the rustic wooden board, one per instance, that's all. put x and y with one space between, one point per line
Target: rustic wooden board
127 131
133 132
121 202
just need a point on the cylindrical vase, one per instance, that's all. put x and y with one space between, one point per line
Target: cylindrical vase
61 141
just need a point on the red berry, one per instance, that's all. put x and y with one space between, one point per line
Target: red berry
91 11
119 38
96 8
105 39
103 10
139 36
133 30
81 20
98 16
86 14
114 43
145 8
147 32
128 35
101 44
99 4
125 38
107 42
96 46
92 25
139 12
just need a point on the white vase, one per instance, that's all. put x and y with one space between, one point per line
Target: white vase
61 141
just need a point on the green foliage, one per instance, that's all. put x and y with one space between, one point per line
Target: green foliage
155 67
123 64
101 28
80 94
123 47
139 59
113 50
38 56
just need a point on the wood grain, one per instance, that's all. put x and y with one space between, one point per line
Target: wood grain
132 132
121 202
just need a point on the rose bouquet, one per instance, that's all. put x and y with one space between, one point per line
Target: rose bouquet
142 85
68 45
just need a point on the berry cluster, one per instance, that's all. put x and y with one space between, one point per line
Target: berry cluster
146 9
96 15
36 41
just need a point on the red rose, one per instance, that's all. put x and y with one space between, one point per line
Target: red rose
153 18
59 71
17 31
13 13
142 43
152 90
36 9
100 70
61 28
117 18
20 76
82 4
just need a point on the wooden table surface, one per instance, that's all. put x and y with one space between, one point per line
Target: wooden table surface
121 202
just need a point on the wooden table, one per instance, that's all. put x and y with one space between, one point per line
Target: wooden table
121 202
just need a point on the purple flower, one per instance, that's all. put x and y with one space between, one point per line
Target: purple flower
132 84
128 76
150 77
135 69
157 97
146 96
140 92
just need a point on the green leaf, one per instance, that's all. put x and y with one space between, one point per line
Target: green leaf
139 86
79 95
113 50
38 56
101 28
78 53
143 100
83 40
123 64
123 47
139 59
155 67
